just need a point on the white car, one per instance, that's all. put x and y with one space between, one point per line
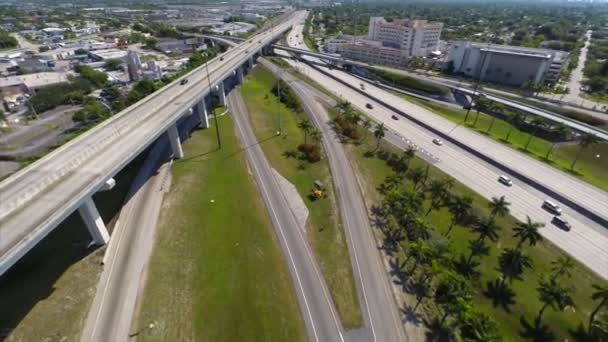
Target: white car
505 180
437 142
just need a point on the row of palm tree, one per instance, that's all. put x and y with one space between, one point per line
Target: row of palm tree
429 270
557 129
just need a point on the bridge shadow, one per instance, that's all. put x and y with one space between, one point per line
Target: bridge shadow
63 261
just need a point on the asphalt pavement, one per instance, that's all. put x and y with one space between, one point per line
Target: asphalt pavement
129 251
587 241
382 319
318 311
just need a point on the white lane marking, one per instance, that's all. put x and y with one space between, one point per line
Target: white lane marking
371 322
291 259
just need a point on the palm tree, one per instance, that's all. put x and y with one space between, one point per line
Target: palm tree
560 131
477 326
528 231
452 289
487 229
460 208
516 120
416 174
409 153
601 294
512 263
561 267
553 295
306 127
537 123
495 108
438 191
421 252
478 248
587 140
379 134
367 124
343 106
481 105
316 135
499 206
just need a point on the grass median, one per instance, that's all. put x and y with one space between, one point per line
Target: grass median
217 272
373 171
324 227
591 167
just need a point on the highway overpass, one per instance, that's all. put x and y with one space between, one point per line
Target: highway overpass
37 198
338 60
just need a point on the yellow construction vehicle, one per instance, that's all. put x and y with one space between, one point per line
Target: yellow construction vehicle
318 190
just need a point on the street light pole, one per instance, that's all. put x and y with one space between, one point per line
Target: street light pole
279 131
217 127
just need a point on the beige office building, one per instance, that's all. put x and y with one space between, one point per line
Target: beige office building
414 37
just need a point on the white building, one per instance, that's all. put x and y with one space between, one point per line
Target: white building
415 37
504 64
336 44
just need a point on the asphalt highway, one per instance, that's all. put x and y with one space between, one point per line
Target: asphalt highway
127 256
375 294
587 241
317 308
35 199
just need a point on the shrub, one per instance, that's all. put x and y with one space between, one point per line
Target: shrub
312 152
410 82
347 128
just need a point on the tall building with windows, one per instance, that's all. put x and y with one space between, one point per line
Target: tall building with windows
414 37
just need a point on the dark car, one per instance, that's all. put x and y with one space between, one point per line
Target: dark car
561 223
394 117
184 81
369 106
221 58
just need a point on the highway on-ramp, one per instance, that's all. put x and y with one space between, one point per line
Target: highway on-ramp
375 294
318 311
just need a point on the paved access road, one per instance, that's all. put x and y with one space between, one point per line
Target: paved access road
317 308
375 294
35 199
587 241
127 256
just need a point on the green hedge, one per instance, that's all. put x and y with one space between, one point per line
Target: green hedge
410 82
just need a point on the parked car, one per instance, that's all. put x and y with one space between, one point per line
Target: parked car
369 106
184 81
505 180
394 117
437 142
552 207
561 223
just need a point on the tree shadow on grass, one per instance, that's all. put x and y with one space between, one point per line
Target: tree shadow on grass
535 331
409 315
500 294
438 331
582 335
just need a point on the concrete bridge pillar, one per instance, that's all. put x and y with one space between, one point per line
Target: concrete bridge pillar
94 222
250 62
200 109
221 93
239 74
176 145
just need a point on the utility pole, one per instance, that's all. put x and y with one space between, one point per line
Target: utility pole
217 127
279 131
